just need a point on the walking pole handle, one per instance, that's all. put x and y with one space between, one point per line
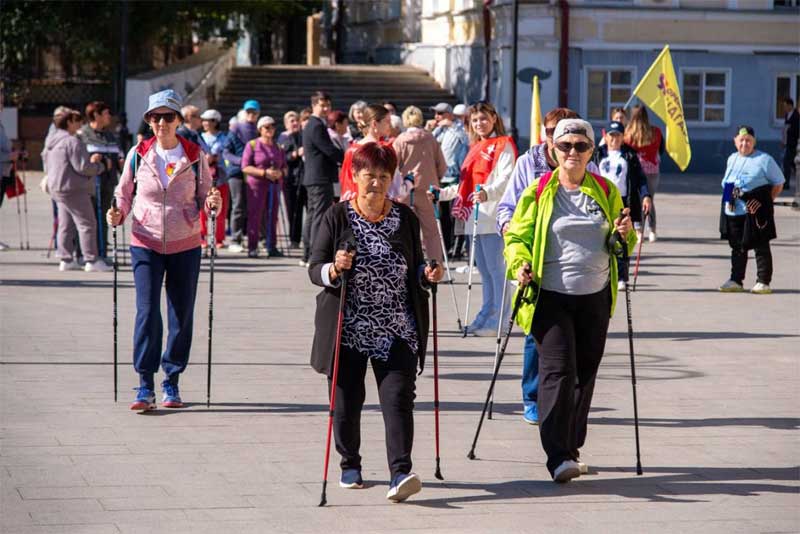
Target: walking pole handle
475 211
435 193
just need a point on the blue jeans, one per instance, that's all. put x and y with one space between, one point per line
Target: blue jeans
530 371
182 271
489 258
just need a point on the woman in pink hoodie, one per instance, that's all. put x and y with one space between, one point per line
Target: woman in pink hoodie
164 185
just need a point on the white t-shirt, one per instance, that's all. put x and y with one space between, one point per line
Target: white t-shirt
167 161
615 168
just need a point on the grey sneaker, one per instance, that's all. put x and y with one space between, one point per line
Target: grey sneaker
568 470
731 287
761 289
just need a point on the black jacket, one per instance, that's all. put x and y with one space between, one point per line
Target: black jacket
636 178
322 157
291 142
333 233
759 227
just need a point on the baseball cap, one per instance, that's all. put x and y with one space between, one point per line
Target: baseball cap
165 99
574 127
745 130
616 127
460 109
252 104
442 107
266 120
211 115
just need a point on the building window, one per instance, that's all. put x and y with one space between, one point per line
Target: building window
607 88
786 3
786 86
705 96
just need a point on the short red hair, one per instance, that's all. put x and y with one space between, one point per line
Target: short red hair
375 157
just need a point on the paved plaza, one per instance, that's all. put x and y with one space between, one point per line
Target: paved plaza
718 405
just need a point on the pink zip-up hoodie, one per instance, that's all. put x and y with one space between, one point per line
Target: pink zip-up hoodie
166 221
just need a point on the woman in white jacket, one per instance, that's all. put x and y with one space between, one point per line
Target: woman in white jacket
489 164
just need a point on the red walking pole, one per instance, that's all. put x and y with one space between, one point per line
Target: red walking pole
338 344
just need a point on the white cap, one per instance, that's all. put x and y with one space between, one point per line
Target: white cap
266 120
211 115
574 127
460 110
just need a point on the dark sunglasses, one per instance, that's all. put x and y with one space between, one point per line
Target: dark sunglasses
169 116
580 147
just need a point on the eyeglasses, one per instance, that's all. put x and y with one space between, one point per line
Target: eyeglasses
580 147
169 116
549 131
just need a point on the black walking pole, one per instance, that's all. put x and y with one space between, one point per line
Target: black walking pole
517 303
438 473
116 269
350 247
25 204
624 276
212 230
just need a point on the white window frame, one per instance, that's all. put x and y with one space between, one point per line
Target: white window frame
793 91
728 72
585 87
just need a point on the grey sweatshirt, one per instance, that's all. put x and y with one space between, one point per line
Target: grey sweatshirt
67 162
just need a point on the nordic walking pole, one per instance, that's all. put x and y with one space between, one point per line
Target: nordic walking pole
435 192
499 330
517 303
438 472
472 247
19 212
350 247
639 251
25 206
212 238
116 271
624 276
101 242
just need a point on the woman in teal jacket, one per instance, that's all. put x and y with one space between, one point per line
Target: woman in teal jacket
561 239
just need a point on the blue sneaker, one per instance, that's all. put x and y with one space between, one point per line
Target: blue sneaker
172 397
403 486
351 479
145 400
531 414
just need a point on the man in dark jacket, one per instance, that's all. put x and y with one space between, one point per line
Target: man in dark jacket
321 168
791 134
238 137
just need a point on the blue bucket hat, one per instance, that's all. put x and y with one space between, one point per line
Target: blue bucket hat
166 99
252 104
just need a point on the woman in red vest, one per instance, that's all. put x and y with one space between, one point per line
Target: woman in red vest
489 163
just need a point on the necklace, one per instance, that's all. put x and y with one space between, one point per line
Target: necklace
371 218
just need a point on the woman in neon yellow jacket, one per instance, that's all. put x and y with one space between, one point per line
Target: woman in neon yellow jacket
561 239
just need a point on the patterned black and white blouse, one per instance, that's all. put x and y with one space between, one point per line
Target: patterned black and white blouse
378 310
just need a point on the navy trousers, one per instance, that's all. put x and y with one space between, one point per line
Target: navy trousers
149 270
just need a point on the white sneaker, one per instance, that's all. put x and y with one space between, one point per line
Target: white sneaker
761 289
732 287
652 237
621 286
583 467
303 263
235 247
565 472
465 270
68 266
97 266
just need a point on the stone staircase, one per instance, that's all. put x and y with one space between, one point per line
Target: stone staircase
280 88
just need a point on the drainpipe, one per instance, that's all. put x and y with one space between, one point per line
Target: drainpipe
514 50
487 40
563 55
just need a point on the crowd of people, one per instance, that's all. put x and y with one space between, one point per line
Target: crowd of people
369 196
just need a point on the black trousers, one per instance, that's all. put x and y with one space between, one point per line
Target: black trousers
320 198
396 380
788 165
447 224
238 208
299 201
735 229
570 333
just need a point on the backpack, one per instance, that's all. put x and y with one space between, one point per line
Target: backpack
195 167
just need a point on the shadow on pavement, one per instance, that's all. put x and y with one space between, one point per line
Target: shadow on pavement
670 484
694 336
773 423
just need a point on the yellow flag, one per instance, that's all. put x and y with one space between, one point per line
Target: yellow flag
536 114
659 91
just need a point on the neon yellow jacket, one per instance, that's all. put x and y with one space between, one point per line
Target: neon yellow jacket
526 238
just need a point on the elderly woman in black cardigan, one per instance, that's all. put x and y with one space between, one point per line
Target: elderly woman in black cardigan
385 317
